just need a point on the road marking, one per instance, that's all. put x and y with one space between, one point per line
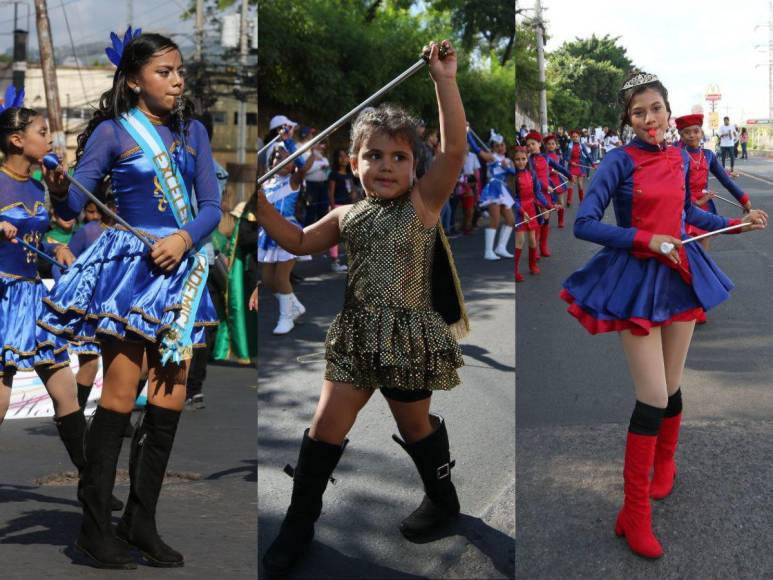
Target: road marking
762 179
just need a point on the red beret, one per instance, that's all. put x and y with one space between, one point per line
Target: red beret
689 120
548 137
520 149
534 135
575 132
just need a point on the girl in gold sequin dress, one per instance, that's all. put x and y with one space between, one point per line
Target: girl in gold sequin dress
402 311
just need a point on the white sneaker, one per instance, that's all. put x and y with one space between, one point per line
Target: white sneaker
339 268
298 308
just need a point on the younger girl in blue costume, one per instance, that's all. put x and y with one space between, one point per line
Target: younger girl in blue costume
650 298
557 182
133 300
393 334
577 157
24 140
495 196
282 191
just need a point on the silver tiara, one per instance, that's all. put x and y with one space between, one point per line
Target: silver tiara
638 80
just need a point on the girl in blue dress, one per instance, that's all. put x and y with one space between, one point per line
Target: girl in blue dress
651 298
134 300
24 140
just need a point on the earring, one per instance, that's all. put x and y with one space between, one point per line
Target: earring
136 90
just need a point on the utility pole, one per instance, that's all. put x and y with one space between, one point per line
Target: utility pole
199 30
48 68
539 29
130 13
241 148
19 50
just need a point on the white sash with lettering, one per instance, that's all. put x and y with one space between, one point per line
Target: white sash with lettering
176 344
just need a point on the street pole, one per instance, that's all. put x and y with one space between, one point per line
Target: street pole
241 148
19 50
539 28
199 30
48 68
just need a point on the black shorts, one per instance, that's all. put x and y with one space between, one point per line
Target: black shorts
406 396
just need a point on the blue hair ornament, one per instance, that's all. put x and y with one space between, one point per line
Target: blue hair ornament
115 52
12 98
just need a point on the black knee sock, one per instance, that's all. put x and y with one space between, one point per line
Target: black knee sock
645 419
83 394
674 404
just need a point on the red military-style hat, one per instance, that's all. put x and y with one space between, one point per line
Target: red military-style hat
534 135
689 121
548 137
520 149
575 132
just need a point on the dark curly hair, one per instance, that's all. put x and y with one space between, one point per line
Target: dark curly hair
121 99
14 120
386 118
627 96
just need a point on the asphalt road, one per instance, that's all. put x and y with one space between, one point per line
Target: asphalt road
377 485
207 508
575 398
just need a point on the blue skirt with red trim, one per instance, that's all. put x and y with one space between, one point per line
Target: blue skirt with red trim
617 291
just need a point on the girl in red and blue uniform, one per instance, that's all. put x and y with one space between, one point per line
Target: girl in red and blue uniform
577 157
529 202
702 162
650 298
543 166
557 182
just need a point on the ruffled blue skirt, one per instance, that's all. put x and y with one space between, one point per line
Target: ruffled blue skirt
617 291
23 344
114 290
496 191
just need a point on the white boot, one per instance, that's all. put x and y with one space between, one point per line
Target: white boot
504 237
298 308
285 323
489 254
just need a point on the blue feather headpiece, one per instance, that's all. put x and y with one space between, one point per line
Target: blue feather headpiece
115 52
12 98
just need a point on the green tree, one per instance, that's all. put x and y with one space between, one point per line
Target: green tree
317 59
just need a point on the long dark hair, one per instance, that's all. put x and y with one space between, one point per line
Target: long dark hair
121 99
14 120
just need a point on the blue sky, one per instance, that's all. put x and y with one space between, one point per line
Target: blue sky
688 44
93 20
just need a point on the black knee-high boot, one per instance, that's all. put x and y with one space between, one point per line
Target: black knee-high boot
72 432
440 505
316 462
151 446
83 394
103 445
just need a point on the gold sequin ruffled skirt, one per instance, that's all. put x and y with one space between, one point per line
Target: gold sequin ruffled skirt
398 348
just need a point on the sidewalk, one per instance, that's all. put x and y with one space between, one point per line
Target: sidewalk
377 484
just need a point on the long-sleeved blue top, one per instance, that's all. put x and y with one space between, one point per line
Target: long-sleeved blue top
110 149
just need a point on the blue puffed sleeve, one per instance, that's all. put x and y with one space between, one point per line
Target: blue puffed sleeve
206 186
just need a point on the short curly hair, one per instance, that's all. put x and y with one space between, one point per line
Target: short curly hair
387 118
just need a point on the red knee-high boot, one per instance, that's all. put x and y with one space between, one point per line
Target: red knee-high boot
582 193
543 240
533 268
569 195
518 275
665 466
635 519
561 217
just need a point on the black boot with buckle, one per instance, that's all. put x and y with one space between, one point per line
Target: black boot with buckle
440 505
151 446
316 462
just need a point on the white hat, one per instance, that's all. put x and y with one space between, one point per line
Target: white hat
279 121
